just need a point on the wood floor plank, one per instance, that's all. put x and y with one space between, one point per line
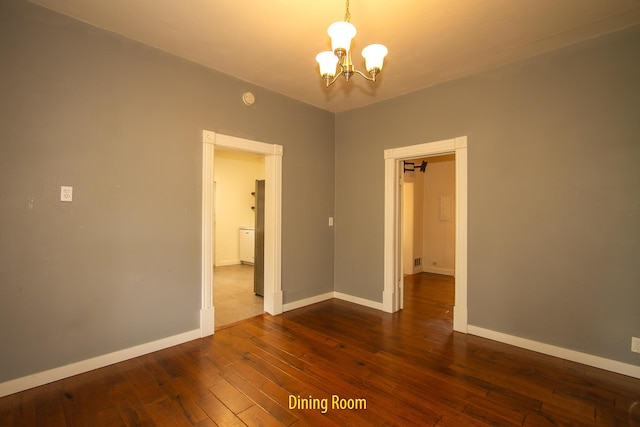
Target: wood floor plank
191 410
49 410
495 411
232 398
206 423
169 412
255 416
219 413
276 409
132 411
459 420
189 387
259 372
107 417
19 409
133 414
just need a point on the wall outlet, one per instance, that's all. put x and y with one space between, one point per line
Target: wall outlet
635 344
66 193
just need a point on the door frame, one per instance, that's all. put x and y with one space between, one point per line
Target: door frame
393 277
273 221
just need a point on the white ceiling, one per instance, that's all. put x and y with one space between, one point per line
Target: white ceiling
273 43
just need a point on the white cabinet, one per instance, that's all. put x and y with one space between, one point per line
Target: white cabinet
247 245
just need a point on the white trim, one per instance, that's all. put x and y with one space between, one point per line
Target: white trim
436 270
392 211
227 263
460 304
358 300
392 294
207 317
273 217
240 144
563 353
207 239
446 146
55 374
327 296
308 301
272 232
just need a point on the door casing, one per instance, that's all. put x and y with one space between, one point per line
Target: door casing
273 220
393 278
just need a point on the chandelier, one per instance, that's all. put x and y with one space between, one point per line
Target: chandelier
341 33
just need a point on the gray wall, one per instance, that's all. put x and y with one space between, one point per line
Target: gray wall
122 123
554 192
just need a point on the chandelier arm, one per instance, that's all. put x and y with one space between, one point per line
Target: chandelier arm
332 81
371 79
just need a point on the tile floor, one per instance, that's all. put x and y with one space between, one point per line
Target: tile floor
233 296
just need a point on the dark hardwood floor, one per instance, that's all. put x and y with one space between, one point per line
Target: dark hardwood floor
406 368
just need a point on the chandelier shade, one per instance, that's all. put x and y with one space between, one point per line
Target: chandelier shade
374 57
341 33
328 62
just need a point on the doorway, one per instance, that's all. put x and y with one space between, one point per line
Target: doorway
272 219
428 229
428 215
393 273
237 209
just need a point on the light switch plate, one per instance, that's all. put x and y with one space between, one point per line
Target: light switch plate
66 193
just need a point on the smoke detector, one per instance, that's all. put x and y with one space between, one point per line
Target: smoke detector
248 98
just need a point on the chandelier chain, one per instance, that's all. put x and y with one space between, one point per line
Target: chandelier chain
347 14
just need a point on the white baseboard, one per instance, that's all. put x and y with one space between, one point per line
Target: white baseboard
277 303
358 300
227 263
339 295
55 374
307 301
388 299
460 319
563 353
207 321
436 270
